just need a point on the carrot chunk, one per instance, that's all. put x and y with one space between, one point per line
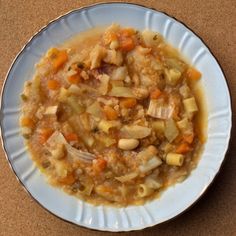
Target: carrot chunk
193 74
71 137
99 165
68 180
126 44
110 113
26 121
128 102
74 79
188 138
127 32
156 93
53 84
58 58
44 134
183 148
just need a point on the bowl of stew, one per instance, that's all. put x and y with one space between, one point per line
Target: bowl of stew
110 120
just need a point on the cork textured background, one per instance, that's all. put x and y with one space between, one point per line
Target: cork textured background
215 214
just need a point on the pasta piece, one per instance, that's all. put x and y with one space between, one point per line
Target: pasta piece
174 159
144 191
150 165
183 124
127 177
190 105
87 190
184 90
152 183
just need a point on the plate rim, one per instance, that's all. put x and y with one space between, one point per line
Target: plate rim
42 29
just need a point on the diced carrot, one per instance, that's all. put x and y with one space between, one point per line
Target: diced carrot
128 102
108 37
183 148
165 96
127 32
126 44
26 121
193 74
44 134
99 165
158 57
110 113
53 84
58 58
74 79
188 138
68 180
71 137
155 94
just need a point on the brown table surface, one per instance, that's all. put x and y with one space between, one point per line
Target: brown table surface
215 214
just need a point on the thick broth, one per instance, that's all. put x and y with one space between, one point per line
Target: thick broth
153 72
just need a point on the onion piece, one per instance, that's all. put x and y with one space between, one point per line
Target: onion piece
160 111
77 154
95 109
104 83
135 131
51 110
151 164
119 73
121 92
171 130
58 138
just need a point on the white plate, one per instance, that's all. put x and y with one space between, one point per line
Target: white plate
174 200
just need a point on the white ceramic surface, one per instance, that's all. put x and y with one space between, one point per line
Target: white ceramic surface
174 200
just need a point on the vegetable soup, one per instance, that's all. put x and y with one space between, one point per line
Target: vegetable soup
114 116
